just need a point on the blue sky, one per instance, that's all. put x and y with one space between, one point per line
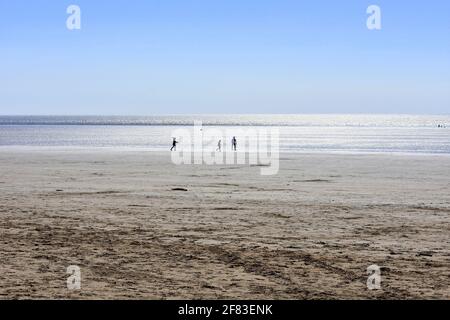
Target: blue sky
148 57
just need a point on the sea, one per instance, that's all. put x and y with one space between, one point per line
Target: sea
307 133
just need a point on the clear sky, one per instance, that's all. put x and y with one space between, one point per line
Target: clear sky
143 57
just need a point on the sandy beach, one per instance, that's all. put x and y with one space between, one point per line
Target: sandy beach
141 227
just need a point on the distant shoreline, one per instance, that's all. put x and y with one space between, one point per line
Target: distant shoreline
160 152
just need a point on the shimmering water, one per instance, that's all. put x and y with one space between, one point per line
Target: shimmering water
298 133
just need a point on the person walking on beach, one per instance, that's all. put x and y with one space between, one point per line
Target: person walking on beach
233 144
219 146
174 145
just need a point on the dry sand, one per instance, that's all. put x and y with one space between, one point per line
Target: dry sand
309 232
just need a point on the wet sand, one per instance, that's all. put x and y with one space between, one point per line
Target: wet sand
141 227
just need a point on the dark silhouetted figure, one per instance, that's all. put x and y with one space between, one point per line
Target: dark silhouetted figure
233 144
174 145
219 146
